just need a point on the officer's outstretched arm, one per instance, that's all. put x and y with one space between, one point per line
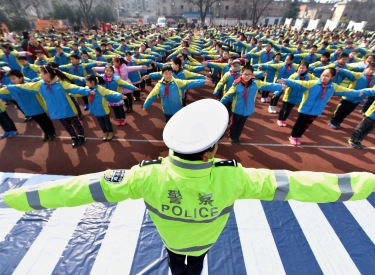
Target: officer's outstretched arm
108 186
305 186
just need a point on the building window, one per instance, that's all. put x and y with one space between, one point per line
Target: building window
128 5
164 1
190 9
320 16
227 7
182 7
164 9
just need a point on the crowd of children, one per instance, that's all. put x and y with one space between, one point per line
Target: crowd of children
109 70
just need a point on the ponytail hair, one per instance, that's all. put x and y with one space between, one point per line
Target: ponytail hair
55 72
97 79
120 59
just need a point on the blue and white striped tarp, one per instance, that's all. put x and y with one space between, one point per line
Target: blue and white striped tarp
260 238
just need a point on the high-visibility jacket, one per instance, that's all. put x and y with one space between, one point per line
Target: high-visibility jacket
190 201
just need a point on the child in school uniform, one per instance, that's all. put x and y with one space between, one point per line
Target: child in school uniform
115 83
243 94
99 106
171 92
292 97
32 105
55 88
316 94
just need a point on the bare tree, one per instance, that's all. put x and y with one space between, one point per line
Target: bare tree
203 5
257 8
35 4
86 6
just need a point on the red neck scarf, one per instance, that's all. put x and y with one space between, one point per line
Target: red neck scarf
166 89
246 85
324 86
287 67
268 55
311 57
336 56
97 57
75 67
369 78
6 55
40 62
49 87
324 63
118 69
235 75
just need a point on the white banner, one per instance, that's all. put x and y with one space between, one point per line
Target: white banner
298 24
356 26
288 21
313 24
331 25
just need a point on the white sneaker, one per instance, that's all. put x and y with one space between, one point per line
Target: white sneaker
263 99
274 109
270 109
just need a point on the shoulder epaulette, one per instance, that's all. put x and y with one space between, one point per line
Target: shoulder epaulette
232 162
148 162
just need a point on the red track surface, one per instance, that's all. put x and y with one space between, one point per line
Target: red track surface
265 145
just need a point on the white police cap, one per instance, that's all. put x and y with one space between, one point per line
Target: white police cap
196 127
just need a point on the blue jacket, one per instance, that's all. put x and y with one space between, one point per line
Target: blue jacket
56 96
30 104
30 71
80 70
181 74
358 81
117 83
312 103
172 102
62 59
295 96
98 105
11 59
225 83
244 105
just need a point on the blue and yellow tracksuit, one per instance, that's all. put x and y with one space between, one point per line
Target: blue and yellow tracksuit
172 102
30 104
30 71
56 96
295 96
78 70
243 104
63 59
117 83
99 103
358 81
338 79
11 59
181 74
312 103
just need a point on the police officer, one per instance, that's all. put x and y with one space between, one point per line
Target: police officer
190 193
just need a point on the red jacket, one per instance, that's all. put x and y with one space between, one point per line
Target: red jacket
32 49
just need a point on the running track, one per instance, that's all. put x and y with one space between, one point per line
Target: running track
264 144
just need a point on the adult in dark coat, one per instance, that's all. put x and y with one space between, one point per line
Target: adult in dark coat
34 46
25 40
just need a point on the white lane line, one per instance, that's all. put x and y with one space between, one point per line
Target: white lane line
120 242
223 143
258 245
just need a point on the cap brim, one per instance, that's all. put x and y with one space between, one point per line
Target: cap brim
196 127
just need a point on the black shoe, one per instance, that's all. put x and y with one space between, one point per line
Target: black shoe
52 137
80 117
74 142
81 140
45 138
355 144
237 141
28 118
129 110
232 140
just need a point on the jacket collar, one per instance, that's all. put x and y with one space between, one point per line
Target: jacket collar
191 169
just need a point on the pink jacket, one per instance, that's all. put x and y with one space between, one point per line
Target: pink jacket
123 73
